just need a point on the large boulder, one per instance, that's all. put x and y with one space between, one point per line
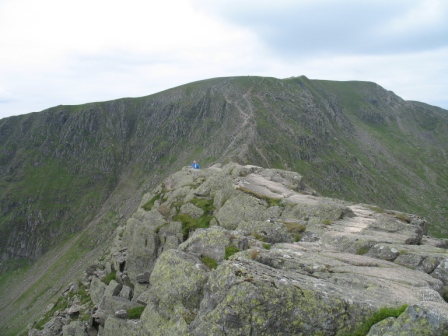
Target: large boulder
177 283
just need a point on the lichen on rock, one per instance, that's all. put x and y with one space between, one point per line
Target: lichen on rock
265 255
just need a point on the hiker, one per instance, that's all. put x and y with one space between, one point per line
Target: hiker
195 165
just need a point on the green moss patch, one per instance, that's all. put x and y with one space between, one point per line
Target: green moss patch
378 316
148 205
295 229
363 250
209 262
231 250
108 278
135 313
189 224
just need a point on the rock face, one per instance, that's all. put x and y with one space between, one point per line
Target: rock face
242 250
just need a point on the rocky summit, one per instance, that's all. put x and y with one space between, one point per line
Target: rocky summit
243 250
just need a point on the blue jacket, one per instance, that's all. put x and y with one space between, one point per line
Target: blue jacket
195 165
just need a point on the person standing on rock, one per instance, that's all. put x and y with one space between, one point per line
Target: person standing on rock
195 165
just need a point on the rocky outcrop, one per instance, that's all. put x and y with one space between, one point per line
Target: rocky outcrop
242 250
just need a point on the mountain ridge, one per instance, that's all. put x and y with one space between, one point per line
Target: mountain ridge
70 166
100 139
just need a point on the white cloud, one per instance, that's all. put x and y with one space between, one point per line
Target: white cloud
73 52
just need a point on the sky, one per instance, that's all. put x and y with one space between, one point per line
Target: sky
64 52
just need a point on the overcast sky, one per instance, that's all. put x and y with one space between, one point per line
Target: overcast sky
66 52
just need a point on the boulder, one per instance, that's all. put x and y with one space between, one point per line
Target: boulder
192 210
424 318
113 289
126 292
120 327
142 278
97 288
441 271
211 243
111 304
75 328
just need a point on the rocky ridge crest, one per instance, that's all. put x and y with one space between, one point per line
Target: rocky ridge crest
243 250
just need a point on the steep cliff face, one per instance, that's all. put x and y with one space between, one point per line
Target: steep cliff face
63 167
243 250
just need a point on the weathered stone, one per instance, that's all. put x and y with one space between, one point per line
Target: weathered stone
111 304
144 298
268 231
169 242
441 272
241 300
142 241
54 326
91 269
158 321
143 278
75 328
385 252
125 280
121 314
113 289
192 210
239 209
211 243
425 318
126 292
119 327
178 277
411 260
99 316
351 261
74 310
97 288
436 242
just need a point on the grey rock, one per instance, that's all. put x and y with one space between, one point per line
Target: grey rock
425 318
99 316
126 292
122 314
143 278
441 272
97 288
267 231
383 251
113 289
74 310
192 210
350 261
211 242
111 304
75 328
144 298
120 327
